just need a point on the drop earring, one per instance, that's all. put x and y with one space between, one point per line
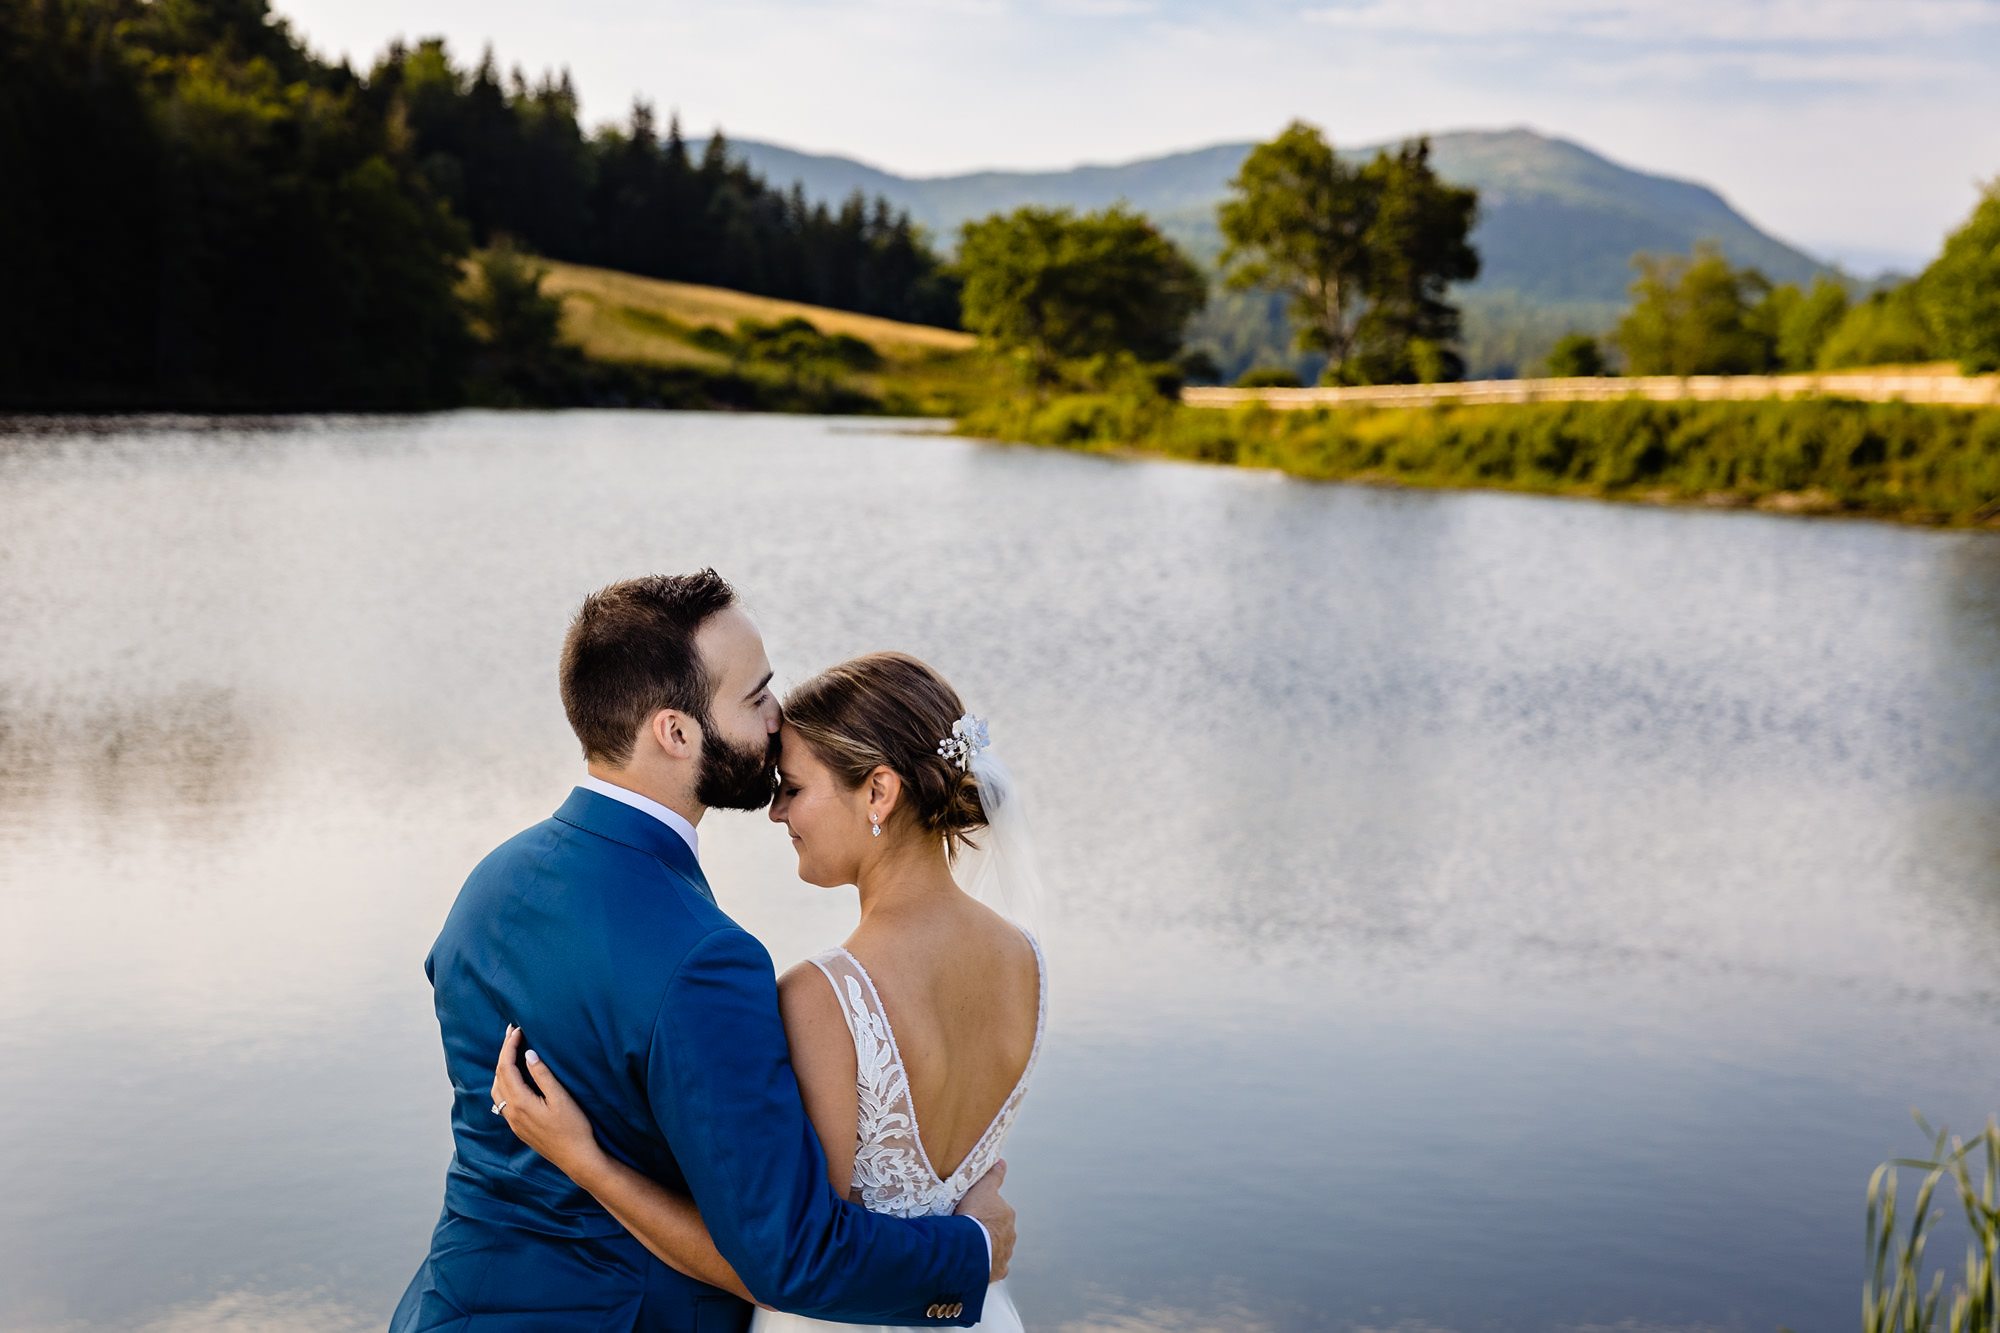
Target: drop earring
874 826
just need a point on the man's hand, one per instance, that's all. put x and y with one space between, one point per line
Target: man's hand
983 1204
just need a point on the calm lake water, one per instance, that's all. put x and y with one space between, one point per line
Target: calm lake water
1479 912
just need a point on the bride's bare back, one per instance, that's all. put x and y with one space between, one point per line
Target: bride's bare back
961 989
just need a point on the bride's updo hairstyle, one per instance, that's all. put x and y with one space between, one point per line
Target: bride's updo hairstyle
888 710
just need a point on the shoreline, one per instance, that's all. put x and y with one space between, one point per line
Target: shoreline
1922 465
1934 385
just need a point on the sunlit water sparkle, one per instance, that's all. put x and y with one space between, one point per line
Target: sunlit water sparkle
1479 911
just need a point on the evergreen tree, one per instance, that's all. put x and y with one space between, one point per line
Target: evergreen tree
512 159
198 212
1417 248
203 215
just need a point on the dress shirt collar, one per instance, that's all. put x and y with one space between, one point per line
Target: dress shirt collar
646 803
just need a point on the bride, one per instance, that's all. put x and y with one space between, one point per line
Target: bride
913 1042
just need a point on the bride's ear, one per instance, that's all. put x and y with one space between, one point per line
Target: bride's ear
885 792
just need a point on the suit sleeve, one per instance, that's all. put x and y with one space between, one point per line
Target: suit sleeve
719 1076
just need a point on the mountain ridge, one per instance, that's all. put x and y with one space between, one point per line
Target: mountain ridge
1559 221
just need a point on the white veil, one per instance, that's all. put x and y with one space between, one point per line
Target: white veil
1001 870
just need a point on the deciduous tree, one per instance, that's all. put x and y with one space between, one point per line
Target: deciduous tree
1692 315
1297 223
1960 291
1575 356
1063 287
1367 255
1800 322
1888 329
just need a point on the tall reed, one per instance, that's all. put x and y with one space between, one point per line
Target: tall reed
1894 1299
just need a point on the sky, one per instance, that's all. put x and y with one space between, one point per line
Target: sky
1859 129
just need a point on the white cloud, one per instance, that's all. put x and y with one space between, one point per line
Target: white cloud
1879 105
1857 67
1101 8
1688 20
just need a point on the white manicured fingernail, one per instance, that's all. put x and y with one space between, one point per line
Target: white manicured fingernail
534 1059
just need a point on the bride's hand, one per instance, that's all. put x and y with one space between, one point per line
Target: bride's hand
548 1120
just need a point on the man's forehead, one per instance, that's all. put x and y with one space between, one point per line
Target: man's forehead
730 644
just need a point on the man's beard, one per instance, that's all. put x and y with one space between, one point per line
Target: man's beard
733 778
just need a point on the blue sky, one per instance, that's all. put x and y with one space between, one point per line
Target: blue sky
1858 128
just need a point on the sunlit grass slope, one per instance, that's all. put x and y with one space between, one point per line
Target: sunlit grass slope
620 317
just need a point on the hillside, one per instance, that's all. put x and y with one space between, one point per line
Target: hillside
1558 221
622 319
1558 227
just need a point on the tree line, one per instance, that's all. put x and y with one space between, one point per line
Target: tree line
199 212
1700 315
511 158
1365 254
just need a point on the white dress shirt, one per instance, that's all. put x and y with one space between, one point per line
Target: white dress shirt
652 807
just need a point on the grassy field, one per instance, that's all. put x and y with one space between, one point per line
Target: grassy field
599 305
623 319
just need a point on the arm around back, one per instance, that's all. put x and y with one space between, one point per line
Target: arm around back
721 1085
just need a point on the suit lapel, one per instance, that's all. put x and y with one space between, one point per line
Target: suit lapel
635 829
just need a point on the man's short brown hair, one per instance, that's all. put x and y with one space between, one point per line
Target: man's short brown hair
630 652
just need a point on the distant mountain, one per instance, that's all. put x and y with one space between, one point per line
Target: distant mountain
1558 223
1558 227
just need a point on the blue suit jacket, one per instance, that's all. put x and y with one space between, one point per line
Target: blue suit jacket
597 933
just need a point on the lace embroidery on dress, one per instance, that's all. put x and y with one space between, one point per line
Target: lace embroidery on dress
892 1171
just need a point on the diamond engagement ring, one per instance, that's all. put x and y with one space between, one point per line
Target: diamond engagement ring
498 1107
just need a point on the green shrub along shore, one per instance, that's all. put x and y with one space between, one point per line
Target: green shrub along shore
1919 464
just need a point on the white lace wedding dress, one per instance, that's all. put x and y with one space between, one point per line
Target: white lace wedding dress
892 1173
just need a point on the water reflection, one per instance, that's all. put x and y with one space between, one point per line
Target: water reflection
186 751
1478 912
253 1312
1959 817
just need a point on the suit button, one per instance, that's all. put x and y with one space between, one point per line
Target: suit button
931 1313
958 1310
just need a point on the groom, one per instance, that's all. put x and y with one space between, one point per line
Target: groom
597 932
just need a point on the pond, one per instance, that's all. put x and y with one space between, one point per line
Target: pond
1475 911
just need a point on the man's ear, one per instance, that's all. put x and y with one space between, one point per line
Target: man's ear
676 733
